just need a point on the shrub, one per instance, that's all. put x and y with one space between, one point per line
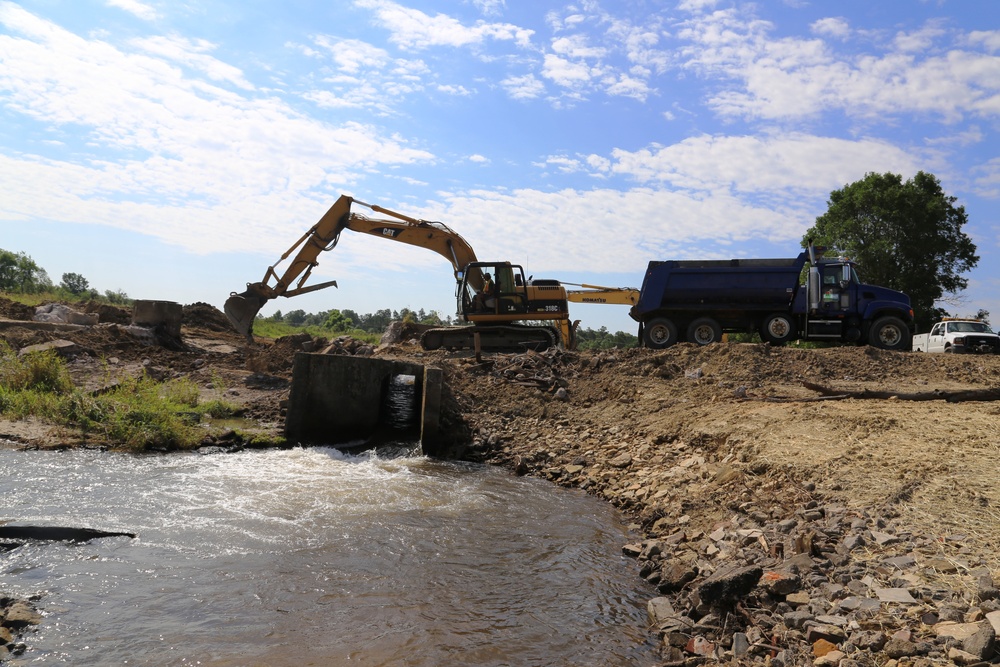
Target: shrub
41 371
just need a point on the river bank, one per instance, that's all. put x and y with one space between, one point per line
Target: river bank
781 526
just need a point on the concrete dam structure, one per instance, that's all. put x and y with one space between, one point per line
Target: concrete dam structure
358 402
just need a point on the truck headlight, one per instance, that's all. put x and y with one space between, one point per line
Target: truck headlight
959 340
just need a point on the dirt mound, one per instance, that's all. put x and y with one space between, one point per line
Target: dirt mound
13 310
205 316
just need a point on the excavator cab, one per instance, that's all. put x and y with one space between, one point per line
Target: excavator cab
508 300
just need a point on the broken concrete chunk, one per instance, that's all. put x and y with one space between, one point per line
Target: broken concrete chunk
898 595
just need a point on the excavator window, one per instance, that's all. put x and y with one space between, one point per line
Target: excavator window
505 280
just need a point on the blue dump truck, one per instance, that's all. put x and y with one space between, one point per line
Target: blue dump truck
699 300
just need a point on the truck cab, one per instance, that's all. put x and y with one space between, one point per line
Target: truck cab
838 307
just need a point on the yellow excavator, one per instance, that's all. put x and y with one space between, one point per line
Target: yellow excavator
520 313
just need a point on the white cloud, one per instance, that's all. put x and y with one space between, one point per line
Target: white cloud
567 73
353 56
523 87
575 46
369 77
563 164
920 40
792 78
598 163
627 86
413 29
831 27
616 222
192 53
197 156
139 9
696 6
478 159
988 39
490 7
986 179
452 89
788 164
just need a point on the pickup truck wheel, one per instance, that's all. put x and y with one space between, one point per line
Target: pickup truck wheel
777 329
704 331
889 333
659 333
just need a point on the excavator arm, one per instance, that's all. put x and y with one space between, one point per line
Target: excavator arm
241 308
597 294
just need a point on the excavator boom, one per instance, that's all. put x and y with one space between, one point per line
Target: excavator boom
241 308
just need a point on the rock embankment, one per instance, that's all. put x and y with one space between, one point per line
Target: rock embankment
756 551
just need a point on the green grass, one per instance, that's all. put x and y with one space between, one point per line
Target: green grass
266 328
138 414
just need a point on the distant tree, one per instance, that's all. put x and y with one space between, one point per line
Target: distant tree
19 273
315 319
432 318
337 321
377 321
352 316
905 236
602 339
74 283
295 317
117 297
983 315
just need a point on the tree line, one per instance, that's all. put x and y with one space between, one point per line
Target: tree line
20 274
346 321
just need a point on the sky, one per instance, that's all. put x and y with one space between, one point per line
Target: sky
174 150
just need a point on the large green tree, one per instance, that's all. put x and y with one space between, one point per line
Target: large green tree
19 273
903 235
74 283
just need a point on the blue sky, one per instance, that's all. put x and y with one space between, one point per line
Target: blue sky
175 150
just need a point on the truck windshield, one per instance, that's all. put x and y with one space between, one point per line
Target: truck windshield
968 327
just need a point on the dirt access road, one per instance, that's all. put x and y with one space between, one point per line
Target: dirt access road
689 437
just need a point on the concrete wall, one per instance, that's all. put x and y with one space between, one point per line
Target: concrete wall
336 399
147 313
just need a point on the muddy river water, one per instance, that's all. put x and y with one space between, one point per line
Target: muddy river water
313 557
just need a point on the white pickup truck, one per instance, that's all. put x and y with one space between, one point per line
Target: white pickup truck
958 336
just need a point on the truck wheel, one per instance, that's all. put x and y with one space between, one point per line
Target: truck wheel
659 333
704 330
777 329
889 333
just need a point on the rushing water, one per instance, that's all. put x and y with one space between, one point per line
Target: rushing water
312 557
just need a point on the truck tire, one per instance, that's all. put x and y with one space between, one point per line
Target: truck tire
659 333
889 333
704 331
777 329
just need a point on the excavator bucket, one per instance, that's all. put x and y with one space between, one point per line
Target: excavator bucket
241 310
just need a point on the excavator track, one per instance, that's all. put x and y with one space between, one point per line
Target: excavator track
492 338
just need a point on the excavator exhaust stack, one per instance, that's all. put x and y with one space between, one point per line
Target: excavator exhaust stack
241 311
